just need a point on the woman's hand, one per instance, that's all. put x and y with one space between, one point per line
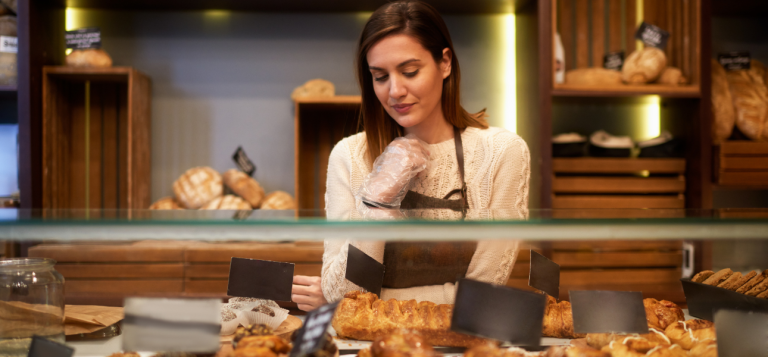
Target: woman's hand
393 170
307 292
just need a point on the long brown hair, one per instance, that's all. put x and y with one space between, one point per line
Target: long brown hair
421 21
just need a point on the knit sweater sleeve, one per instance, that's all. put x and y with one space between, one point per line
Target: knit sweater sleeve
340 205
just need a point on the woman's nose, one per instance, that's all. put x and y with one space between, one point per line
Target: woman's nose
397 89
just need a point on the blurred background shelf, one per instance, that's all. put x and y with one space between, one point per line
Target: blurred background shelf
572 90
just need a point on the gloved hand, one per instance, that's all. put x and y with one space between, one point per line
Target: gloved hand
392 172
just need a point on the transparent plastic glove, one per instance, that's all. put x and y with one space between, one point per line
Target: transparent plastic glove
392 172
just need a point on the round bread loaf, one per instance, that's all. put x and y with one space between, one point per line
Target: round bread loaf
165 203
244 186
278 200
724 115
197 186
750 99
643 66
228 202
672 76
314 88
89 58
593 76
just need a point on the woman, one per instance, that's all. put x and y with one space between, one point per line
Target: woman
420 149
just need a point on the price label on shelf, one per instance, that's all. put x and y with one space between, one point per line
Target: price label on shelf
172 325
364 271
614 60
84 38
498 312
9 44
43 347
544 275
310 337
734 61
608 312
261 279
741 333
243 162
652 35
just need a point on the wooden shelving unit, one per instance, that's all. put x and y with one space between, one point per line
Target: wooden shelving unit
742 164
571 90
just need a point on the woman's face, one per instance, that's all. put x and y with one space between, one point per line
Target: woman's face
407 80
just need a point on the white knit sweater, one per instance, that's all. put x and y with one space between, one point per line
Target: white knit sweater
497 169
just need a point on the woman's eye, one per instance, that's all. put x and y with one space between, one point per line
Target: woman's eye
410 74
382 78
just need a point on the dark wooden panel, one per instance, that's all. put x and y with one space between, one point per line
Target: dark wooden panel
630 25
194 271
619 276
520 283
120 271
615 246
139 139
617 201
598 32
615 24
743 148
618 185
125 287
744 163
105 253
582 33
619 165
521 270
617 259
565 28
744 178
212 286
285 252
672 291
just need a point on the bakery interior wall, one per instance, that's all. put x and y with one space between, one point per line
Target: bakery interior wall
222 79
740 34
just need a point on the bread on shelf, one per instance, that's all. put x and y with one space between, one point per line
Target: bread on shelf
558 320
672 76
688 333
595 76
228 202
723 113
165 203
278 200
750 100
400 343
662 313
643 66
244 186
91 57
753 283
197 186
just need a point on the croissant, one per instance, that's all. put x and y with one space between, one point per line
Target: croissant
400 343
558 320
363 316
706 348
688 333
662 313
638 346
600 340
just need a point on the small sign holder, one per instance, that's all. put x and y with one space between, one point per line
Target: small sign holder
608 312
364 271
43 347
261 279
309 338
544 275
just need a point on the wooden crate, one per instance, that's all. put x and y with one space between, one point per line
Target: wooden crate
609 183
320 124
591 28
108 165
741 164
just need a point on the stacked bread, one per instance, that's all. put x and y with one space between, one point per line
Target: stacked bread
203 188
648 65
753 283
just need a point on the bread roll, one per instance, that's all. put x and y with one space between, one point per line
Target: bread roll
593 76
197 186
750 99
672 76
229 202
89 58
643 66
245 186
278 200
723 113
165 203
314 88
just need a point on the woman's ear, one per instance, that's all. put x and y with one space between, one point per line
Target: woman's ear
445 62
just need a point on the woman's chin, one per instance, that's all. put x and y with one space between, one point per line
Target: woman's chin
407 121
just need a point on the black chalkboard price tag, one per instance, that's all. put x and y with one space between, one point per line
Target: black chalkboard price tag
652 35
43 347
498 312
84 38
741 333
243 162
608 312
261 279
734 61
309 338
364 270
613 60
544 275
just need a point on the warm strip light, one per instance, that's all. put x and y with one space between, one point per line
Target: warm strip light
652 117
509 87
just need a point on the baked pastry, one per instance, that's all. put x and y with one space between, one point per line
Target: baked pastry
314 88
197 186
251 330
636 347
759 278
742 280
672 76
253 352
400 343
723 113
90 57
643 66
278 200
244 186
687 333
662 313
593 76
165 203
328 349
124 354
230 202
701 276
750 100
558 320
363 316
758 289
600 340
718 277
730 282
706 348
275 343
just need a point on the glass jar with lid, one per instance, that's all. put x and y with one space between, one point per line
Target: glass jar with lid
31 303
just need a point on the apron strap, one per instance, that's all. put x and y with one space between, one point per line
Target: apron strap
460 159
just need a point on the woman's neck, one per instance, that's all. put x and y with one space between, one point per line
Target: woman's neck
433 129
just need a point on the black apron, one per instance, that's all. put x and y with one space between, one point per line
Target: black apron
410 264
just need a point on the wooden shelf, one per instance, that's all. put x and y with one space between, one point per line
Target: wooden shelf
741 164
110 74
569 90
444 6
339 99
741 8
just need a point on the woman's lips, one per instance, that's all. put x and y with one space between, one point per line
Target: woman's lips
402 108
